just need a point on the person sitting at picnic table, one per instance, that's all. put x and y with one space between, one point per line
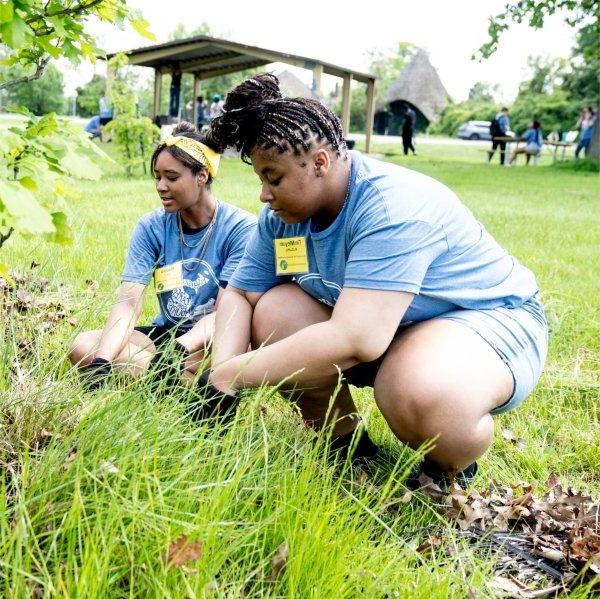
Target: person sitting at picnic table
190 246
374 272
534 139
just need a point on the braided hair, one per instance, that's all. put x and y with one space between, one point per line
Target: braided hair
184 129
257 115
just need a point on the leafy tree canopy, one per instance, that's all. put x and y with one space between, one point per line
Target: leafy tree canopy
36 31
534 13
482 92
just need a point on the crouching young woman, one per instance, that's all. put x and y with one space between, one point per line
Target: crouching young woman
376 271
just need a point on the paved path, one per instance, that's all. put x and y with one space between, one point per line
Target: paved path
421 139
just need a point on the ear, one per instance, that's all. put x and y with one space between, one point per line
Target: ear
321 161
202 177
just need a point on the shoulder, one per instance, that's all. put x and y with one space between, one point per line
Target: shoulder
400 191
154 225
232 215
156 218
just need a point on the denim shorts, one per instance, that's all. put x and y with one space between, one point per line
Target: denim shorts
518 335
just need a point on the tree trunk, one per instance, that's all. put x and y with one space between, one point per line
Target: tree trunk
594 151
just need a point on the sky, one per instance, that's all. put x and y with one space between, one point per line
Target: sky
342 33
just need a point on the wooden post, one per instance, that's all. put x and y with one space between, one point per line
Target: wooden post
317 74
370 114
157 90
195 94
346 103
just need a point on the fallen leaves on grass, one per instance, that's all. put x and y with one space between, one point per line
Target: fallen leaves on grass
279 561
183 551
561 527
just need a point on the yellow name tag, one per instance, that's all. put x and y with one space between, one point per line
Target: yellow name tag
291 257
168 277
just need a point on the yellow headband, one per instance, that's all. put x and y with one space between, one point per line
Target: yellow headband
198 151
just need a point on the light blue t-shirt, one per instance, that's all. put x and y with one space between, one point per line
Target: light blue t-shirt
156 243
398 230
534 136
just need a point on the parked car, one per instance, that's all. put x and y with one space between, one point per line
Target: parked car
477 130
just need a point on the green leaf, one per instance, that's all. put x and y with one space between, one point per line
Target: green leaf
5 275
62 234
14 32
44 42
9 141
21 204
28 183
6 12
141 26
80 166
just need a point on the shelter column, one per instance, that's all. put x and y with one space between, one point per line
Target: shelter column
370 114
317 74
195 94
157 90
346 103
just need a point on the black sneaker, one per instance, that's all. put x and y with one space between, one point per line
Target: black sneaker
431 475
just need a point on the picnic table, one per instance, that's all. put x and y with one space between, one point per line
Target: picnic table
557 144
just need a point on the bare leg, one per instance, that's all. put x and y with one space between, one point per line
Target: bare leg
439 381
133 358
274 320
200 336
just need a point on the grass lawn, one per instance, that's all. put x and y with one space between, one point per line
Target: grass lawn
98 485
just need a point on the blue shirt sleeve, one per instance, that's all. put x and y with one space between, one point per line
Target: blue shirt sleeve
235 247
142 255
256 270
391 255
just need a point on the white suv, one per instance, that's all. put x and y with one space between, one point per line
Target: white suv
477 130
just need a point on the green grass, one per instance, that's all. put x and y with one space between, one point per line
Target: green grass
97 485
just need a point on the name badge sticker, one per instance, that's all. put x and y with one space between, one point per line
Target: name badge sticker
168 277
291 256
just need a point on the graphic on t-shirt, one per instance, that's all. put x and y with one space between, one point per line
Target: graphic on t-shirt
314 284
196 296
180 303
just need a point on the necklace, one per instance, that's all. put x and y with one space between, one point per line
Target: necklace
203 242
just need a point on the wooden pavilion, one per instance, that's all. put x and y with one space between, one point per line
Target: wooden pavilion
207 57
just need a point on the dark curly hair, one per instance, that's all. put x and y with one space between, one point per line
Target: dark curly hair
184 129
256 114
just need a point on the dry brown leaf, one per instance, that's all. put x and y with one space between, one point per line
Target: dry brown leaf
279 561
431 543
25 300
507 585
406 498
183 551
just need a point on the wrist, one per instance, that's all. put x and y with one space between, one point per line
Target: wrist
222 380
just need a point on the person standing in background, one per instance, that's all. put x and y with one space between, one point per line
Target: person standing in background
498 128
586 126
106 114
407 134
200 112
216 108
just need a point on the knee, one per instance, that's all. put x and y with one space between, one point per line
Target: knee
80 350
418 404
267 317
